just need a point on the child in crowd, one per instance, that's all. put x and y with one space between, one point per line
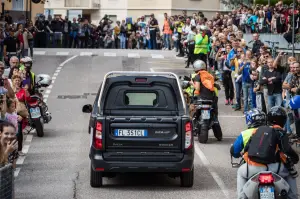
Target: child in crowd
8 144
158 41
12 117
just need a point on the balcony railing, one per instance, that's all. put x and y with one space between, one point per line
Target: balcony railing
89 4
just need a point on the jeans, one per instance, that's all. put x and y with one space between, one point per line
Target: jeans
274 100
242 178
247 87
228 85
167 41
122 41
153 39
238 93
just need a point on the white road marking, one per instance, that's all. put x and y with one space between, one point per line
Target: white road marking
20 160
66 61
216 177
17 171
86 54
186 69
157 56
108 54
39 52
28 140
62 53
133 55
152 70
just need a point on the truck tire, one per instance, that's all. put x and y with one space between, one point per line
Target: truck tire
39 127
203 134
217 131
95 178
187 179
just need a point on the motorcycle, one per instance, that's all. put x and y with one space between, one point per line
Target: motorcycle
264 185
204 117
37 108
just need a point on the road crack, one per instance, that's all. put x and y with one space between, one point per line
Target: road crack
75 180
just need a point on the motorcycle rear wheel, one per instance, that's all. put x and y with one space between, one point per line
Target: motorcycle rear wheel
217 131
203 134
39 127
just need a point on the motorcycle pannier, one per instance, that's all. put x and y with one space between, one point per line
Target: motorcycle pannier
262 146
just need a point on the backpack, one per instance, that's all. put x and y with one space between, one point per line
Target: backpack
262 146
207 80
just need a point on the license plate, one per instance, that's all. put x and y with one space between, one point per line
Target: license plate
205 114
35 112
130 133
266 192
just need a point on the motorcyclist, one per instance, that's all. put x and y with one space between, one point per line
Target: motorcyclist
276 118
204 84
254 119
29 76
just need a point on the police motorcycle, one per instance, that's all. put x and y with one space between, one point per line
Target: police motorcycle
204 117
264 185
37 108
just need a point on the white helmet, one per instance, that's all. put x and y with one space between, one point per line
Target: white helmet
44 80
27 59
199 65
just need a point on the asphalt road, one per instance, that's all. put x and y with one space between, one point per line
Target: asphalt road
57 165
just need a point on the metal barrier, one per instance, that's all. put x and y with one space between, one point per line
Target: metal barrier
7 182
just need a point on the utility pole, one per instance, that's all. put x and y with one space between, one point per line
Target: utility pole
293 30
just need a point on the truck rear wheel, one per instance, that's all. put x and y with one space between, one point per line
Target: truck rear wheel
187 178
96 178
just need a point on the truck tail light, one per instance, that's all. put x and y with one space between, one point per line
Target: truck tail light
98 136
188 136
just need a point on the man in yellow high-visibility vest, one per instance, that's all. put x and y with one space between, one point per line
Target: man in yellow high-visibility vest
179 26
201 45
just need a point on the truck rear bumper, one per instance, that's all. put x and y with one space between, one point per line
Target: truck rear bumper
99 164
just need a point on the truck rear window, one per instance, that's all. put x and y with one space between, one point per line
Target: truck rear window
140 99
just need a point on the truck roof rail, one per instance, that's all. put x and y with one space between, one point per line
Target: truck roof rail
141 73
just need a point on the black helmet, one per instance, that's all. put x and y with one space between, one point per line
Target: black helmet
277 116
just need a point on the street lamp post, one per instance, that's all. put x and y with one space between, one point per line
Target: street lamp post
293 30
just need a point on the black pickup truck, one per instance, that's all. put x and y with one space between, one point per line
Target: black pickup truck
139 123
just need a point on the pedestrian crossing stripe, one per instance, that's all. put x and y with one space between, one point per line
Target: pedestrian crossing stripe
39 52
108 54
62 53
157 56
133 55
86 54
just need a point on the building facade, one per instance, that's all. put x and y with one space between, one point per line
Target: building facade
94 10
17 8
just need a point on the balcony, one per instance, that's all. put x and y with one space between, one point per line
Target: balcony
82 4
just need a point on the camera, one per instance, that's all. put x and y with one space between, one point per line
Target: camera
291 168
1 82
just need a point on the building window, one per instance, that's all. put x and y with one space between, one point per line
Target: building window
18 5
77 3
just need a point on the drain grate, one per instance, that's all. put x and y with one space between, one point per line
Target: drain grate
84 96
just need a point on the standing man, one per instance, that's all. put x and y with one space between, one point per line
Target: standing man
201 45
66 32
167 32
179 27
153 27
